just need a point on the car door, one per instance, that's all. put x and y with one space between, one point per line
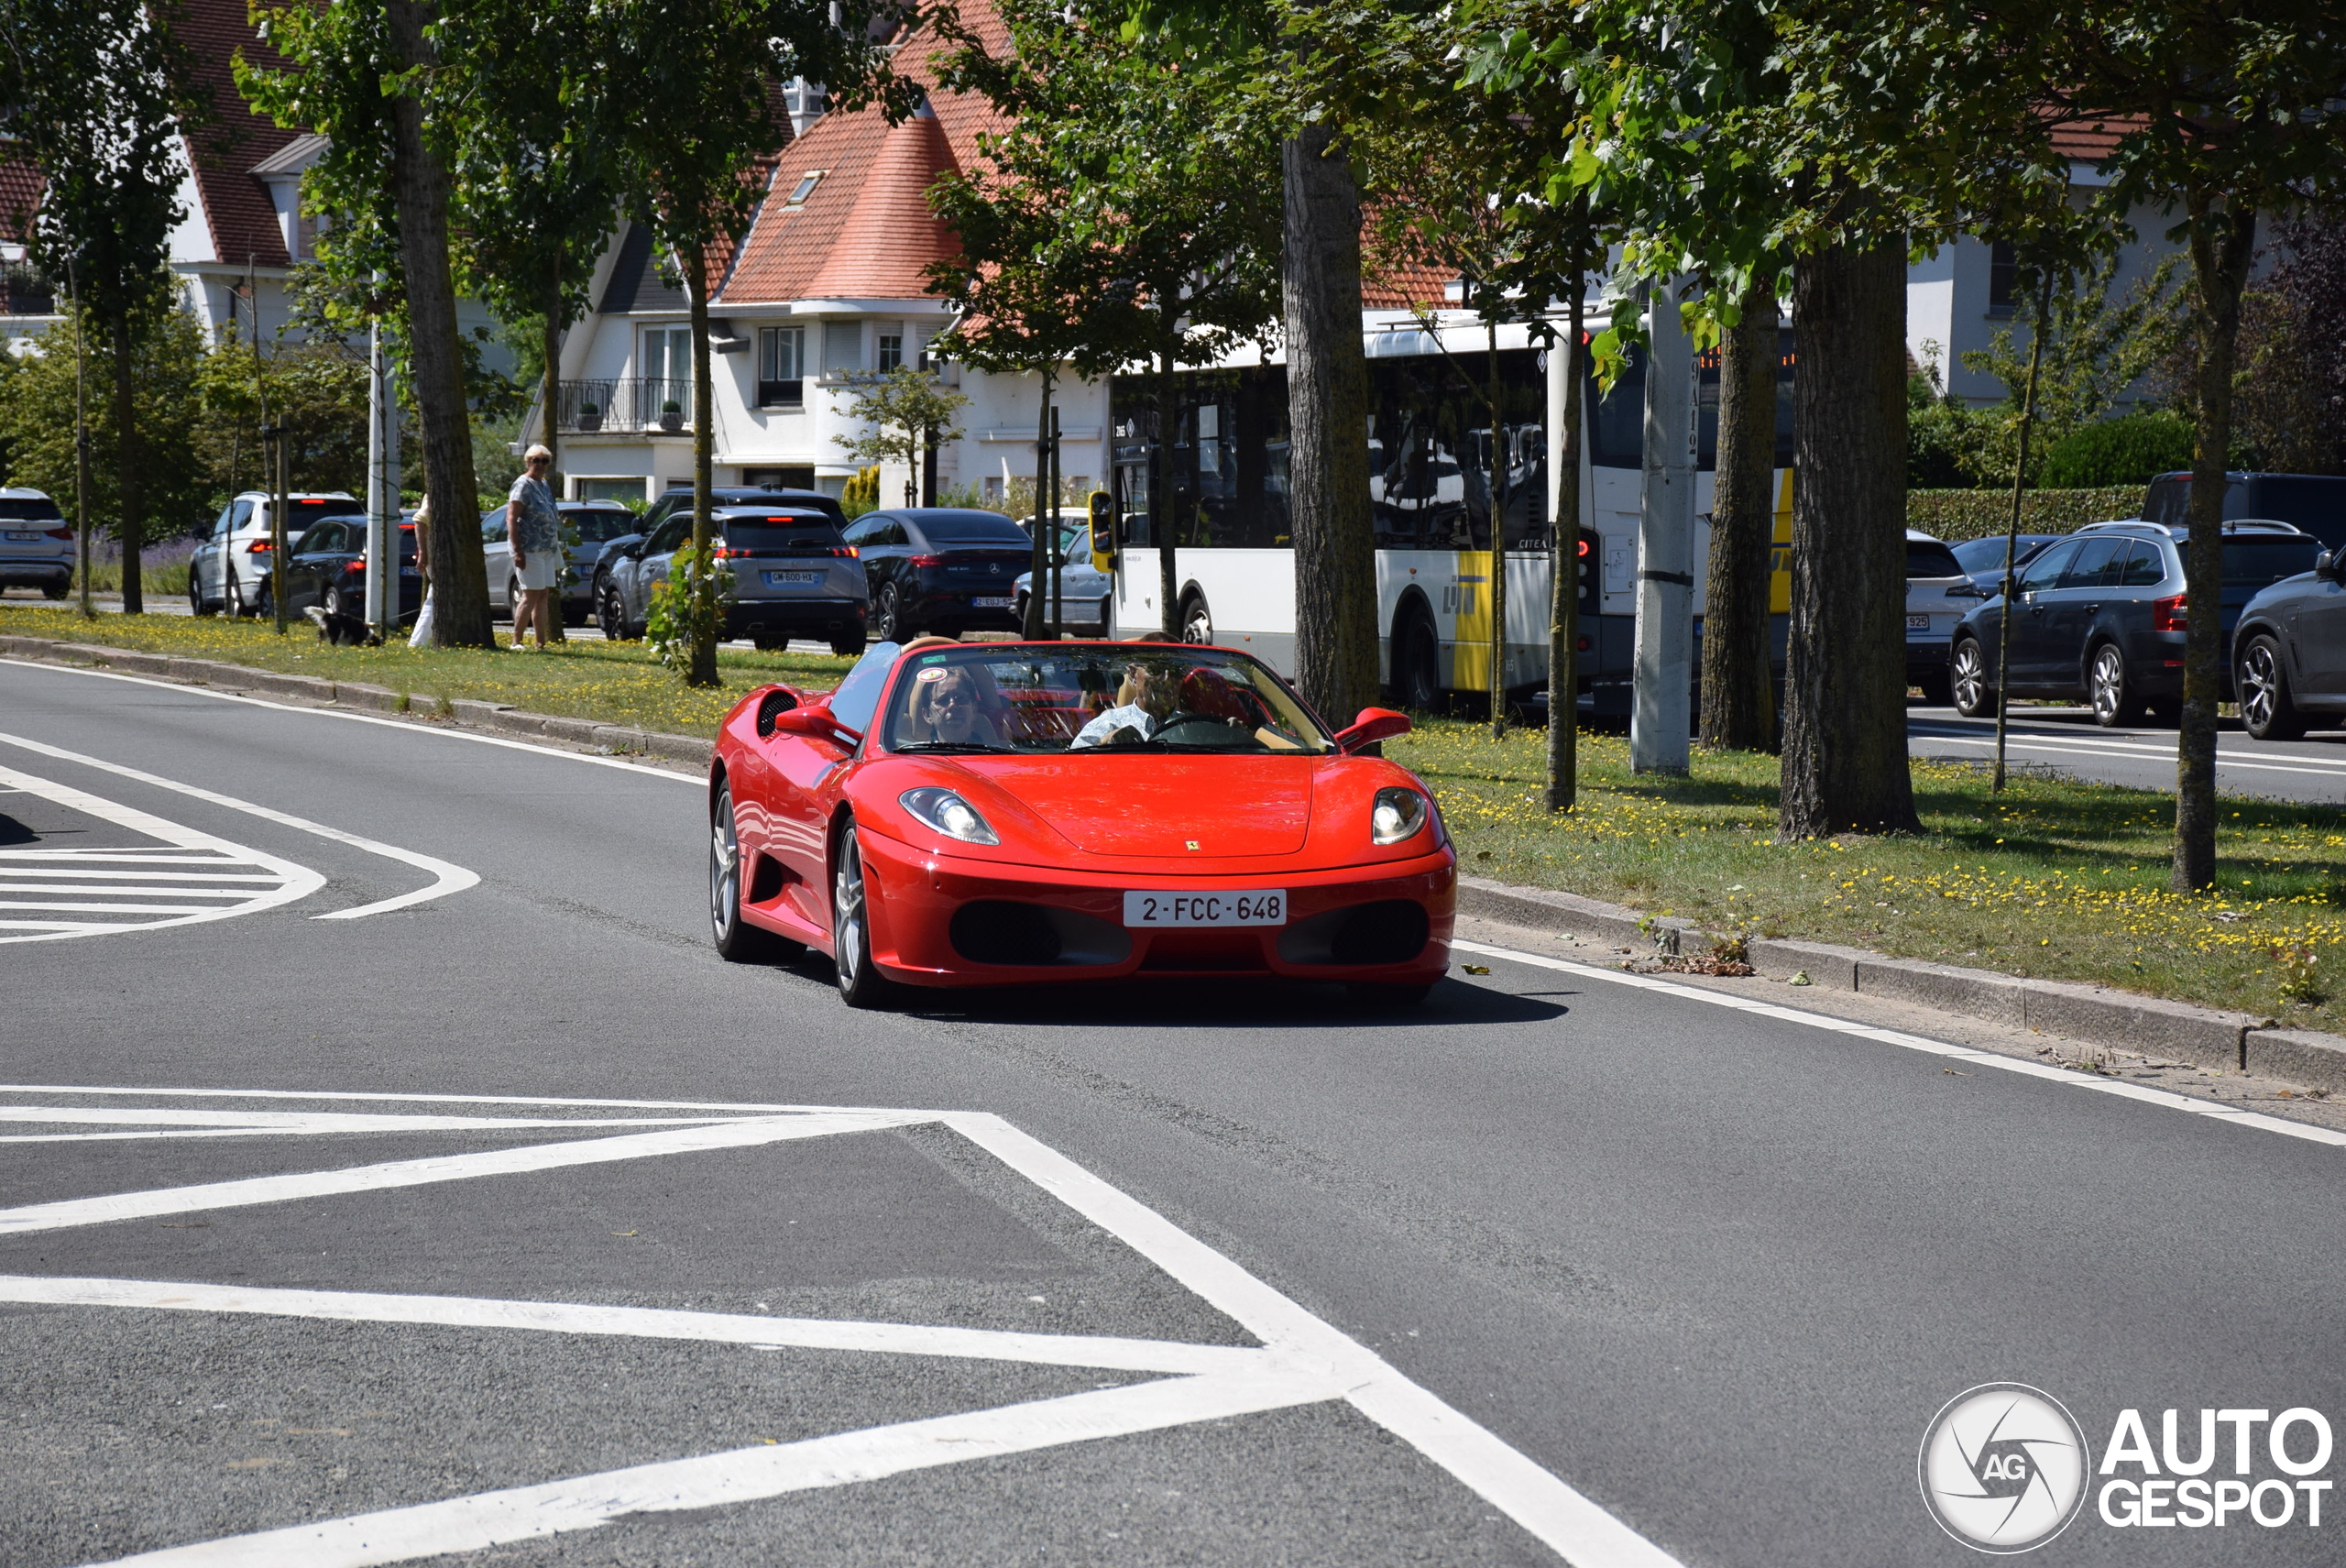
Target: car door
651 570
203 564
497 558
301 564
233 540
2074 604
2031 646
804 785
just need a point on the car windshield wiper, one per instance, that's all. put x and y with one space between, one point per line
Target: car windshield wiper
948 746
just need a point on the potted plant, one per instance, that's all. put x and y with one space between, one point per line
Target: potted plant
589 417
671 415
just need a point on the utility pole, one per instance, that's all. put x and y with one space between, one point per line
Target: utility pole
1665 630
382 488
81 436
1057 609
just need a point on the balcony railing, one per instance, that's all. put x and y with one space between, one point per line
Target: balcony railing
631 404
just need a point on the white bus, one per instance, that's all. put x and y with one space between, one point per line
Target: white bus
1430 491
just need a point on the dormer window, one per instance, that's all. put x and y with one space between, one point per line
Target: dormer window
807 183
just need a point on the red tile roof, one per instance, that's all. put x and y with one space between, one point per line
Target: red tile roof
837 236
20 188
235 206
2090 141
1394 285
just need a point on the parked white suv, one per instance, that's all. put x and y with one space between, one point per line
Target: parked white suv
230 570
36 545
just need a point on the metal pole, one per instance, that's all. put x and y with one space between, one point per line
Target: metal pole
1057 607
277 533
81 438
2011 534
1665 628
378 529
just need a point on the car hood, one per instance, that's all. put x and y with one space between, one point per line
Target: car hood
1147 803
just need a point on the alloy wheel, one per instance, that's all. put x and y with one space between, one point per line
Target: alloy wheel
610 614
888 616
2266 710
724 872
1970 680
860 982
2114 705
1197 621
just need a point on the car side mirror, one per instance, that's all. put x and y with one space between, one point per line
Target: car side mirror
772 706
1374 724
2330 563
815 722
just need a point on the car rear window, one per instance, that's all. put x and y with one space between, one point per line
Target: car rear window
29 508
1929 558
300 514
597 526
971 528
2255 562
781 534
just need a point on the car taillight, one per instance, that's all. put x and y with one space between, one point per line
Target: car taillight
927 560
64 533
849 551
724 552
260 547
354 565
2166 614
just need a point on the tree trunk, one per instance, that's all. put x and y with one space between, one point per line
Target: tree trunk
420 193
1327 389
1738 694
701 669
1038 558
2223 241
1844 690
125 466
1160 498
1563 591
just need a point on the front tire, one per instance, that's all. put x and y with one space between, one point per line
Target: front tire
737 941
2116 704
2266 711
1973 697
860 982
610 612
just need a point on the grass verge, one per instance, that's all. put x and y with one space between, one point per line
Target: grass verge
617 683
2053 878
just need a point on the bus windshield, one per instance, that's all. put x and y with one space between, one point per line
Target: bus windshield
1023 699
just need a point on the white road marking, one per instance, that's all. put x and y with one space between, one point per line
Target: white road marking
2118 750
734 1107
743 1476
66 1213
2214 1109
447 878
273 881
281 1124
1107 1352
409 726
1303 1359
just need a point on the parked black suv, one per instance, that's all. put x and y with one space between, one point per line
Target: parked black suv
2102 616
944 569
2290 651
679 497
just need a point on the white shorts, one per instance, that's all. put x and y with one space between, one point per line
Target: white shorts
543 571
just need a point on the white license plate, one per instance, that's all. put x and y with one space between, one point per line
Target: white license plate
792 579
22 536
1918 623
1254 907
1002 601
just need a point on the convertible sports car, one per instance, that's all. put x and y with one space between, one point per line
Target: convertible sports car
1008 813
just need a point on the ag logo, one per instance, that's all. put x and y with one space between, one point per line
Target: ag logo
2003 1468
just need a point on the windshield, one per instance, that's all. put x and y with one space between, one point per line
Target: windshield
1021 699
599 525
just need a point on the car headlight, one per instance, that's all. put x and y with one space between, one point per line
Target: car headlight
948 814
1398 813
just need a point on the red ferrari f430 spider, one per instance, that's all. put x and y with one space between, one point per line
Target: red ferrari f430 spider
1015 813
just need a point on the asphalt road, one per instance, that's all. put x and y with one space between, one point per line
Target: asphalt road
2068 740
1559 1265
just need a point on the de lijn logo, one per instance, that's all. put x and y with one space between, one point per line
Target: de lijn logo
2004 1467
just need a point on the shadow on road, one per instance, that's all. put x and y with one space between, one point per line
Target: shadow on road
1235 1003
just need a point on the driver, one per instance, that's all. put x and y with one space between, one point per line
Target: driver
1142 702
950 704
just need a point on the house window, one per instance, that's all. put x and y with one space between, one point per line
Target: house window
782 367
806 187
2003 268
891 345
842 347
667 378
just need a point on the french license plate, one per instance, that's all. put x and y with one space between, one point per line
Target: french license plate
792 579
22 536
1254 906
1002 601
1918 623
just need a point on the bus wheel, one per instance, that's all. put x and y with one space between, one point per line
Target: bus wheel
1415 679
1197 620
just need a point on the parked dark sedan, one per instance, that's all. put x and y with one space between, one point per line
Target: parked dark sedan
942 569
2289 662
327 567
2102 614
1983 559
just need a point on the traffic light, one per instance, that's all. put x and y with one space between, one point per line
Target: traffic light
1103 531
1591 568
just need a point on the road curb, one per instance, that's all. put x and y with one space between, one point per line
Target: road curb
500 718
2205 1036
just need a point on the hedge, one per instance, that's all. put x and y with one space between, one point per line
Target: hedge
1974 514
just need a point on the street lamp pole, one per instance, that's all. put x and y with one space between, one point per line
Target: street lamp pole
1665 626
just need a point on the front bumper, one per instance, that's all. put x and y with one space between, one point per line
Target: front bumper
915 895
